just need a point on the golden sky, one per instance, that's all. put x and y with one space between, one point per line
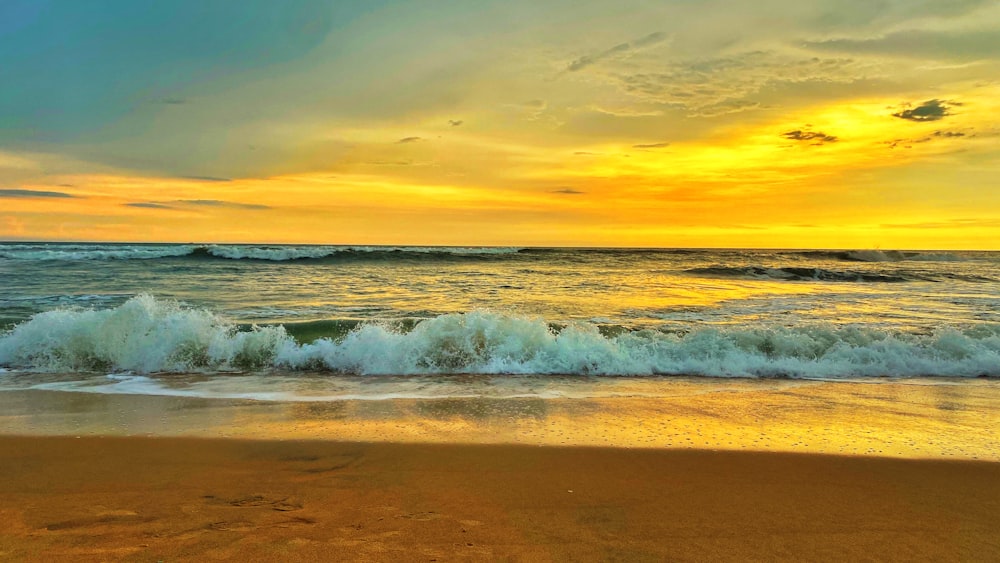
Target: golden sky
779 123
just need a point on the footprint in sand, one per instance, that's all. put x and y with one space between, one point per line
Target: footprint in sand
240 526
262 501
322 464
111 517
420 516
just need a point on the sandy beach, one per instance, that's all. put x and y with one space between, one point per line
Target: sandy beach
101 485
146 499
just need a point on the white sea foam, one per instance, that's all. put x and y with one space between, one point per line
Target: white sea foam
276 253
145 335
142 335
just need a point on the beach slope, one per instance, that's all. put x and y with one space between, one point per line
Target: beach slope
148 499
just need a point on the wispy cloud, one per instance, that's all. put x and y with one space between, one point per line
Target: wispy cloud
455 122
952 224
220 203
567 191
931 110
588 60
735 83
148 205
935 136
177 204
937 44
15 193
409 140
208 178
651 146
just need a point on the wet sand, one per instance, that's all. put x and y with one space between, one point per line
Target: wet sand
149 499
692 472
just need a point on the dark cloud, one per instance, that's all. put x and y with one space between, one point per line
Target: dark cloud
220 203
817 137
148 205
455 122
651 146
931 110
587 60
32 193
949 134
567 191
409 140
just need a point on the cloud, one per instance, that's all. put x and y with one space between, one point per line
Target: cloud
817 137
33 194
409 140
208 178
567 191
532 110
931 110
935 136
588 60
951 45
148 205
455 122
971 223
714 86
651 146
220 203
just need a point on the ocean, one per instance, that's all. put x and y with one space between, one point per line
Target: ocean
289 322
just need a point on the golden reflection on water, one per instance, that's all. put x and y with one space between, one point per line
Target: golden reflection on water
910 419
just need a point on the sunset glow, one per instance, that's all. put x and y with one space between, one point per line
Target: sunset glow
831 124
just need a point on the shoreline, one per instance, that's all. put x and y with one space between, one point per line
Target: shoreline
138 498
751 471
900 420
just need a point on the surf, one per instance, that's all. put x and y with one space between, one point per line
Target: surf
147 335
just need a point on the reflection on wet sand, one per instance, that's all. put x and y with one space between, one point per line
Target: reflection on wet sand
892 419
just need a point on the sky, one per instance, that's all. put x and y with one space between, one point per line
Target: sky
671 123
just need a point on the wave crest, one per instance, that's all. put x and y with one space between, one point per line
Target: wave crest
796 274
145 335
241 252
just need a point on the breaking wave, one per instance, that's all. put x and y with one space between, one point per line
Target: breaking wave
146 335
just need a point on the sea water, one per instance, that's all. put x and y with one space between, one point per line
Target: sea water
317 322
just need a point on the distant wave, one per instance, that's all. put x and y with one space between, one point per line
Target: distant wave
882 256
93 252
146 335
243 252
796 274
